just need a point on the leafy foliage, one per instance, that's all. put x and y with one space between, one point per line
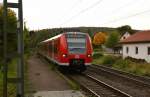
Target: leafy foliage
112 40
121 63
40 35
99 38
125 28
108 60
11 31
11 22
26 38
97 55
128 65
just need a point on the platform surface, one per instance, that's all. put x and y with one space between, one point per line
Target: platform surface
66 93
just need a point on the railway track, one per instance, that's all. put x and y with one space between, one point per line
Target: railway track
95 87
104 82
132 85
144 80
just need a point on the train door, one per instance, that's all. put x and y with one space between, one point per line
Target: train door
56 49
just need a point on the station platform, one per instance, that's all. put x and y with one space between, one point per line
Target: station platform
66 93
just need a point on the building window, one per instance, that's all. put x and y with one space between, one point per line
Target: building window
127 50
136 50
148 50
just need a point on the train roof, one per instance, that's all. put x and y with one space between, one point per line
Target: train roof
74 33
51 38
67 33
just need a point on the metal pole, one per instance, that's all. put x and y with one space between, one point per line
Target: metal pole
5 65
20 68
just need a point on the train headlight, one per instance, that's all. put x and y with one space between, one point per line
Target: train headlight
89 55
64 55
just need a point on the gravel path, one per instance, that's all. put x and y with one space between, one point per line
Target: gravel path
42 78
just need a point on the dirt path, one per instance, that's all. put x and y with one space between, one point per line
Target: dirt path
43 78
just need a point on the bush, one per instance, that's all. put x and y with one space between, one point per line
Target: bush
133 67
141 69
136 60
97 55
108 60
121 64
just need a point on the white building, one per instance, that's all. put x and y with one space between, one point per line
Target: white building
137 46
118 48
125 35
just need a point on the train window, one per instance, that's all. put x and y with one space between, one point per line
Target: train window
77 40
50 47
56 46
77 50
75 35
77 47
80 45
76 43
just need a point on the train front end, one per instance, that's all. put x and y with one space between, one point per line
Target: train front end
79 50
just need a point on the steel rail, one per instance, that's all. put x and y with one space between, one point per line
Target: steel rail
85 88
112 71
145 78
100 83
109 86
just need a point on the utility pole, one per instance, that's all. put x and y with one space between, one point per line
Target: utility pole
5 66
19 81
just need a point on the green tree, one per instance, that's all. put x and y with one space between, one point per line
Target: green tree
26 38
125 28
112 40
11 31
12 21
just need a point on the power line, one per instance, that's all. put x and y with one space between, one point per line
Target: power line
124 6
126 17
82 11
71 9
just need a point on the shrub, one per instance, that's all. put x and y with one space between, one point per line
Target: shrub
121 64
133 67
136 60
142 69
108 60
97 55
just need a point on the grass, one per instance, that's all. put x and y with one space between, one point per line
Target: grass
11 74
1 84
138 68
124 65
12 68
97 55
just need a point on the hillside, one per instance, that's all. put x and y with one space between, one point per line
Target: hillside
40 35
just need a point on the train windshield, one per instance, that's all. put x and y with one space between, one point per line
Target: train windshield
76 43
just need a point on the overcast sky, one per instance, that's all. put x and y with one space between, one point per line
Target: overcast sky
40 14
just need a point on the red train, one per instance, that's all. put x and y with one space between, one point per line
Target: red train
69 49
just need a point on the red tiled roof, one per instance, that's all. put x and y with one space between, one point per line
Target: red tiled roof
142 36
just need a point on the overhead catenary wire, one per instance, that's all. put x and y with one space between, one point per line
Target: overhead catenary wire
126 17
82 11
71 9
124 6
93 5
